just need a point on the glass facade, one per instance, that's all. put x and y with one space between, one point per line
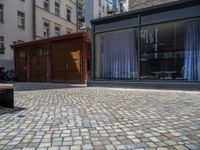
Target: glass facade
168 51
162 52
116 55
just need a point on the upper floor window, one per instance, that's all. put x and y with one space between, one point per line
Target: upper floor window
46 5
99 14
99 3
57 9
57 30
46 29
69 13
2 45
21 20
68 31
1 13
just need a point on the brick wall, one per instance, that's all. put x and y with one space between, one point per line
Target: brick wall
137 4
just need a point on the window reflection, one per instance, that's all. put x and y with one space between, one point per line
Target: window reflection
162 52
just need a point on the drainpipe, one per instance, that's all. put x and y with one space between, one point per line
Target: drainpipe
34 19
77 4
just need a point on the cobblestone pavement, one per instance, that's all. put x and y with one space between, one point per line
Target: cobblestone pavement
102 118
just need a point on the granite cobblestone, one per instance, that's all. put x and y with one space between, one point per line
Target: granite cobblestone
102 118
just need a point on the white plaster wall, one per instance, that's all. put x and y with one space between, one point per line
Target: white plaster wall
42 15
11 32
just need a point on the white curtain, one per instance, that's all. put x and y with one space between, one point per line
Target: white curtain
119 57
192 51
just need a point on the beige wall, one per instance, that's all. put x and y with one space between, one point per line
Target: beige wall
49 16
11 32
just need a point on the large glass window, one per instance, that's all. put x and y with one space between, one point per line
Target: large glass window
115 55
168 51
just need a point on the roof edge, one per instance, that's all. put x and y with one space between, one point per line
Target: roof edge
51 39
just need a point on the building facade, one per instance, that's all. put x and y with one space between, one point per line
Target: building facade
54 17
57 59
120 6
91 9
15 26
160 43
26 20
138 4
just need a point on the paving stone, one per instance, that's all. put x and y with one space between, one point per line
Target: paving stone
154 139
109 147
8 147
76 147
54 148
44 145
181 147
120 147
102 118
87 146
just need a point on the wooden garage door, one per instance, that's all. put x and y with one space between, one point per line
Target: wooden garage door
39 65
66 65
21 65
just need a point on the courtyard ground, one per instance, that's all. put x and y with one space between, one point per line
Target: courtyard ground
66 117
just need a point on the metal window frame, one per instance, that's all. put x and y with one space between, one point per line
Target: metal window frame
166 13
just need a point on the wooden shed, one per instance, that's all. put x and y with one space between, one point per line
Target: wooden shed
58 59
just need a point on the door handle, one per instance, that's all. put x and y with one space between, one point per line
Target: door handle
38 67
66 66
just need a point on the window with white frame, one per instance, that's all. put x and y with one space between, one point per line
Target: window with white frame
2 45
57 30
46 29
1 13
57 9
46 5
69 13
21 20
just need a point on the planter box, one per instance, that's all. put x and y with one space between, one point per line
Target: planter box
7 96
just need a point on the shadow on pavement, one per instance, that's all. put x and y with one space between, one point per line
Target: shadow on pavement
28 86
4 110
